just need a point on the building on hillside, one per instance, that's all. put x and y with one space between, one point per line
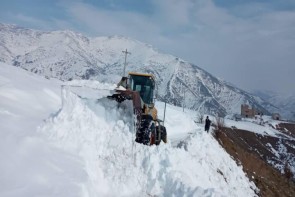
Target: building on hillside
247 112
276 116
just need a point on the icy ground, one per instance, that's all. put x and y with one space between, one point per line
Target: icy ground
85 146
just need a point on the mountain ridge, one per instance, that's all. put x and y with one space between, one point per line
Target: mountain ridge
67 55
285 103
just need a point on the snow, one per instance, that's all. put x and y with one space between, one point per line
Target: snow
83 145
261 125
22 93
29 165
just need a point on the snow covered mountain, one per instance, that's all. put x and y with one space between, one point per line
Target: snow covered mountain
67 55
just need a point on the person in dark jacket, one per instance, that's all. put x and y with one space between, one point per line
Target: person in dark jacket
207 124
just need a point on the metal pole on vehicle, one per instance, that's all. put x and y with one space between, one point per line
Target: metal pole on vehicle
164 114
125 63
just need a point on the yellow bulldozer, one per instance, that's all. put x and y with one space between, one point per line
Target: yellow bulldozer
140 88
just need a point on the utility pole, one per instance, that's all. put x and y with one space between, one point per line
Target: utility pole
126 53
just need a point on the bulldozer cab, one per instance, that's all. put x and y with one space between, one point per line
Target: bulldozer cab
145 85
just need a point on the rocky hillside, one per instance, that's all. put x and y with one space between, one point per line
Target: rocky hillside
268 160
67 55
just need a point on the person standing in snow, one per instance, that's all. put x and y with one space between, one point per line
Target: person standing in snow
207 124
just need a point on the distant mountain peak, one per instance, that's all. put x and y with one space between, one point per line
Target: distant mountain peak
68 55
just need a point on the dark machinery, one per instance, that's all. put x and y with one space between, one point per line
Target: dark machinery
140 88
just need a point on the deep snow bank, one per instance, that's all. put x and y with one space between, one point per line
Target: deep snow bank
101 134
29 165
87 148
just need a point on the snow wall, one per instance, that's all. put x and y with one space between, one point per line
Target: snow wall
99 135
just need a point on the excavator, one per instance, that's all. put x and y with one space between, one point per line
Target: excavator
140 88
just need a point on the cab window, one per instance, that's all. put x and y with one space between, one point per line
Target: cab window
144 85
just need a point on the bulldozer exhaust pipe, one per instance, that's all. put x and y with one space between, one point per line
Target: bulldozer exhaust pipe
164 114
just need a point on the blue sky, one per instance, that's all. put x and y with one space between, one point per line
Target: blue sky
231 39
